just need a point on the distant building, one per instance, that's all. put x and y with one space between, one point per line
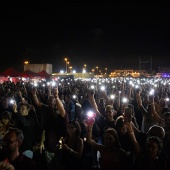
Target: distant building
38 67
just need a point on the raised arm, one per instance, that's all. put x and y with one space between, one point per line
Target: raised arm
35 98
156 116
59 103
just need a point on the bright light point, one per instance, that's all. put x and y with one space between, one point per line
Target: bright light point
124 100
61 71
84 71
53 83
92 86
151 92
90 114
136 86
167 99
74 96
112 96
102 88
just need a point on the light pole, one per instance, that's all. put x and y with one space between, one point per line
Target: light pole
25 65
106 71
70 69
97 70
66 64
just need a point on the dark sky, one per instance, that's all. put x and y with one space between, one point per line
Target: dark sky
103 34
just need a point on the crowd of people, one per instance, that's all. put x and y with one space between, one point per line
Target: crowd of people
103 124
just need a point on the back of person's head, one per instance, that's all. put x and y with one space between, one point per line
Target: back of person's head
120 125
166 114
156 130
119 121
86 105
165 110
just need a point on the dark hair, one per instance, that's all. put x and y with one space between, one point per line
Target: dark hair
18 132
76 124
119 121
156 140
166 114
113 132
24 104
6 115
86 105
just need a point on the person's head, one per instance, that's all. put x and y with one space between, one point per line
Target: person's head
55 91
5 102
74 128
24 108
165 109
12 140
86 106
6 117
156 130
67 98
120 126
110 138
109 112
101 103
154 146
51 101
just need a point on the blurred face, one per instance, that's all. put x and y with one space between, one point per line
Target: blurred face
51 101
127 115
152 149
55 91
71 129
122 130
109 114
109 140
10 143
24 110
5 121
5 103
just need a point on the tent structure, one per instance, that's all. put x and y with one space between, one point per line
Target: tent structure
30 73
44 74
11 72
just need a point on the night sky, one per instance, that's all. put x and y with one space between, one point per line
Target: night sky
103 34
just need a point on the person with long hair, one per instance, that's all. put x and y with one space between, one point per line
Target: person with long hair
69 149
